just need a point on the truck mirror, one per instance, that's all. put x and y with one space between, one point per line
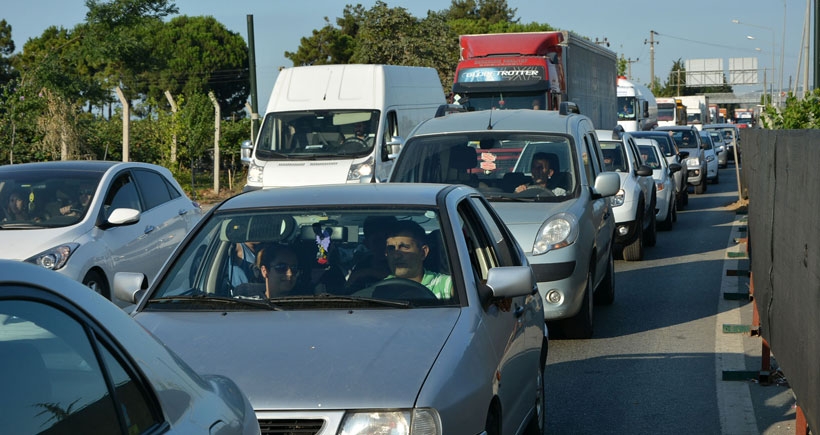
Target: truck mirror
394 146
245 152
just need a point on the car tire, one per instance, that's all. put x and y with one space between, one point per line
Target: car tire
700 189
538 422
686 197
634 250
580 325
717 179
96 281
492 426
651 235
666 224
674 211
605 293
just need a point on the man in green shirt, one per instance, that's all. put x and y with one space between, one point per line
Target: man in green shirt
406 249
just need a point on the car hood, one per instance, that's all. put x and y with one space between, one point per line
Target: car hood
20 244
328 359
524 219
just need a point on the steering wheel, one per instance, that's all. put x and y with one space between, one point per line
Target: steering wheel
534 191
400 288
351 142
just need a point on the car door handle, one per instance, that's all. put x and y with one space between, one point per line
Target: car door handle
149 228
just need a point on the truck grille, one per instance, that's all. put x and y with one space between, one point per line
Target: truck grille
290 427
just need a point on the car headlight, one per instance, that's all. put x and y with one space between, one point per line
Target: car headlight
617 199
255 172
694 161
710 158
54 258
361 171
556 232
423 421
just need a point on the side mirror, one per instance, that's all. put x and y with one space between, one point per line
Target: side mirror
674 167
644 171
394 147
245 152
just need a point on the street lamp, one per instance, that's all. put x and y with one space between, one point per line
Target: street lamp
773 41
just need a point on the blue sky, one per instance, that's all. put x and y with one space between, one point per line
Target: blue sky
696 29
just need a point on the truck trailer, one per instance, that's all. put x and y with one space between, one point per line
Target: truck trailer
637 108
537 70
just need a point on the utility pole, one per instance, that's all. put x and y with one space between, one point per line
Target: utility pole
651 43
629 62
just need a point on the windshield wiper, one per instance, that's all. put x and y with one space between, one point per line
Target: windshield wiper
331 298
217 300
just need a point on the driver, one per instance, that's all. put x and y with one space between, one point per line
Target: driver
406 248
542 173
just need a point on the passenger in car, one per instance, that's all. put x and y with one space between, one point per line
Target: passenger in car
406 248
279 265
17 209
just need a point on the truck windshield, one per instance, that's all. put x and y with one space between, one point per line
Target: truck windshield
626 108
502 100
666 111
317 134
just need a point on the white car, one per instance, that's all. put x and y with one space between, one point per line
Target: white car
666 209
712 167
634 204
90 219
720 148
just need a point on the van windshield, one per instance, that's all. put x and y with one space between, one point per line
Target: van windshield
317 134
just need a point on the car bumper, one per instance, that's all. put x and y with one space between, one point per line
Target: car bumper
626 232
560 285
694 176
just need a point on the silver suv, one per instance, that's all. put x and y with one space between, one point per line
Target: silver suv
687 137
543 172
634 204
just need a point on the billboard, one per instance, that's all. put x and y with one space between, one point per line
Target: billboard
743 71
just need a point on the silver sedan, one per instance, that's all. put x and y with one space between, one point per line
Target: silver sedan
366 308
73 362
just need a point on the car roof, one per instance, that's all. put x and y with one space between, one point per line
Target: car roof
676 128
548 121
726 125
367 194
100 166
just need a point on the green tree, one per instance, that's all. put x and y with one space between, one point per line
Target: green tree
198 55
491 11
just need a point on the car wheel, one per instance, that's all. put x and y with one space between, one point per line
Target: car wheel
605 293
538 422
686 197
96 281
671 216
580 325
634 250
701 188
492 426
651 236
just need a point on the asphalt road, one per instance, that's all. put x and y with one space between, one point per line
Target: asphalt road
657 360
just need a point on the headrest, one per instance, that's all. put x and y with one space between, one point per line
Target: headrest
463 157
259 228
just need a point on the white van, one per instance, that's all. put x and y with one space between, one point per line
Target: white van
333 124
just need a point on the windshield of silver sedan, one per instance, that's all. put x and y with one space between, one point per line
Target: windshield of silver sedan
307 259
317 134
504 166
45 199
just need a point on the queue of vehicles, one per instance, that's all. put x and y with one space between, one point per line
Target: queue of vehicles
544 242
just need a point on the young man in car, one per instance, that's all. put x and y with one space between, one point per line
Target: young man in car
406 248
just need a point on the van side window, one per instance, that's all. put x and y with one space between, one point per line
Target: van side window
391 128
